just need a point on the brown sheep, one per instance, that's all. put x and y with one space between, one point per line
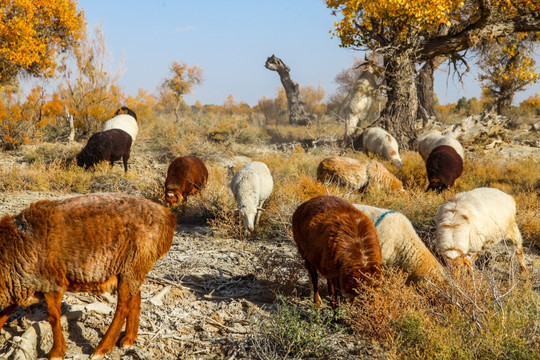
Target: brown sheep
338 241
444 166
109 145
90 243
186 175
357 174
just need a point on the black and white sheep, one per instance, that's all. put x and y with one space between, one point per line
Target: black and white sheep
124 119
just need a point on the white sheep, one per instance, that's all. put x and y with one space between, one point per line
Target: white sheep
400 245
126 120
251 186
475 221
429 141
378 141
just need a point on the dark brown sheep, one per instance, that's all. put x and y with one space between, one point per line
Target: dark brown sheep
444 166
90 243
109 145
338 241
186 175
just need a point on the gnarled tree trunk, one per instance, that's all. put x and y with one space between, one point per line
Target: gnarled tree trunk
424 86
297 112
399 115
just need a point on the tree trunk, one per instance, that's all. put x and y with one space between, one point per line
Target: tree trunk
177 110
424 86
504 100
297 112
399 114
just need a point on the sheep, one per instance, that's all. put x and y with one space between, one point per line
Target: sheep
124 119
432 139
338 241
91 243
357 174
251 186
109 145
443 166
378 141
475 221
186 175
400 245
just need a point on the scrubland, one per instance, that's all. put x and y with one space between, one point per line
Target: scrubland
251 293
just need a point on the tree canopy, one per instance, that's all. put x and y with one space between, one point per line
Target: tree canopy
33 33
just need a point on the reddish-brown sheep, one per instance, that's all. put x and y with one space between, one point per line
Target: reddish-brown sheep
186 175
444 166
90 243
109 145
338 241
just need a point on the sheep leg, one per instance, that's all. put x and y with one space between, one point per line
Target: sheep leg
132 322
125 160
5 314
314 281
122 310
54 304
333 293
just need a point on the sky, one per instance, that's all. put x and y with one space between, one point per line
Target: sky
231 41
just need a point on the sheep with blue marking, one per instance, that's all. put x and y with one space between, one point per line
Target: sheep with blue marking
400 245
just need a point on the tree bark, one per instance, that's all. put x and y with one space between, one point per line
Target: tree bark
399 114
297 112
424 86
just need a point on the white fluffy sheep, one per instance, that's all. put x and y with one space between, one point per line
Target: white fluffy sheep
251 186
474 221
400 245
429 141
378 141
123 121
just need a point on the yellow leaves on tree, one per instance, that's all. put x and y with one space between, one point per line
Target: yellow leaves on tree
184 78
33 33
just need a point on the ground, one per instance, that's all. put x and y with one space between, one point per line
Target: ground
201 301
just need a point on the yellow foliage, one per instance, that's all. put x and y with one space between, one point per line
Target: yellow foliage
33 33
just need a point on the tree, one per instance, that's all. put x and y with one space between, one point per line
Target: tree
507 67
407 33
297 111
184 78
33 33
90 88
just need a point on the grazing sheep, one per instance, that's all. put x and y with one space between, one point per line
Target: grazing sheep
474 221
251 186
443 166
378 141
109 145
124 119
90 243
357 174
338 241
432 139
400 245
186 175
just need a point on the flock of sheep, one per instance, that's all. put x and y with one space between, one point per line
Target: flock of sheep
52 246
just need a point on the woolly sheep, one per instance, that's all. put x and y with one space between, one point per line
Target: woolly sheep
92 243
125 119
400 245
474 221
443 166
429 141
186 175
338 241
357 174
378 141
109 145
251 186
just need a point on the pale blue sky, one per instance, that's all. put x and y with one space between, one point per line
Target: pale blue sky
231 40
